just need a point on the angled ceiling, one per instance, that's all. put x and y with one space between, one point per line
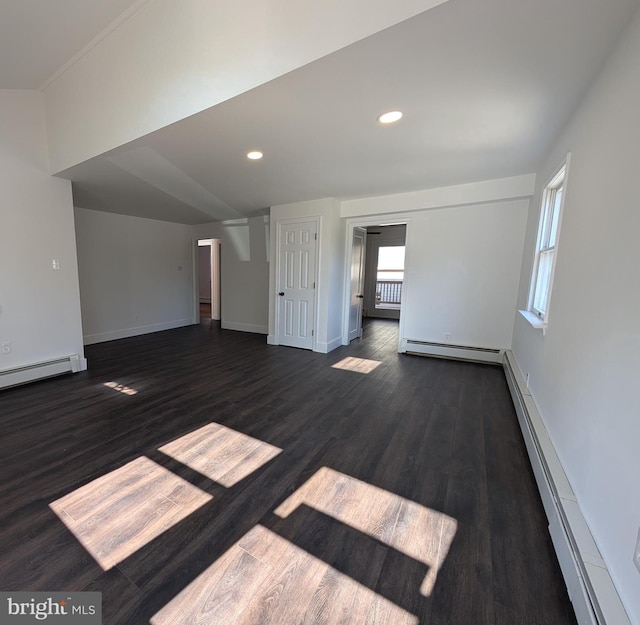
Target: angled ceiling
485 86
38 37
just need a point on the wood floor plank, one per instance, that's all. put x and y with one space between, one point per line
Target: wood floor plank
520 544
332 601
219 595
287 594
464 593
45 556
116 590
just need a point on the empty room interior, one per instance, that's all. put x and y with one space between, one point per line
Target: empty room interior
321 312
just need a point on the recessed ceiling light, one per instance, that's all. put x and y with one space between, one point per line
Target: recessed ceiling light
390 117
255 155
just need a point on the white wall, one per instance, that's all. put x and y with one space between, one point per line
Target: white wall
173 59
331 268
136 275
584 371
244 272
462 274
39 307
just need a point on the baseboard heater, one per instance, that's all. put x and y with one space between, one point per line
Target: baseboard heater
591 590
447 350
40 370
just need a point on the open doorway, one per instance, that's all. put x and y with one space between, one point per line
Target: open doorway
208 282
383 287
384 271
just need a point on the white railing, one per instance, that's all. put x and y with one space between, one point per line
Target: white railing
388 293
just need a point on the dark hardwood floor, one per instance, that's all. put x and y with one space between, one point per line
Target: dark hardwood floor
205 310
200 476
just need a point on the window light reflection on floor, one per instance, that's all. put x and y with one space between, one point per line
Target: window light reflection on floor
116 514
415 530
120 512
121 388
223 455
264 578
359 365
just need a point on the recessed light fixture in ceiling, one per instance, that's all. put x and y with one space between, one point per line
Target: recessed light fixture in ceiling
390 117
254 155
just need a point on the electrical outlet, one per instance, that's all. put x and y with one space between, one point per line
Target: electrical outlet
55 264
447 337
636 553
5 348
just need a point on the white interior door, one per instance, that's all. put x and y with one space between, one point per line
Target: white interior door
296 298
357 282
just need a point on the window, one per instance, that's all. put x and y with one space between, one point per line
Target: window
391 263
547 245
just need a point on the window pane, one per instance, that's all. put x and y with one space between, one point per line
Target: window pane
556 217
391 263
543 280
546 218
391 257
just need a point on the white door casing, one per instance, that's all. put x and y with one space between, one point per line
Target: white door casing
357 282
296 296
371 273
364 222
216 308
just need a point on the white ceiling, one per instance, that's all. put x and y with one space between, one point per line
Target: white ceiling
38 37
485 85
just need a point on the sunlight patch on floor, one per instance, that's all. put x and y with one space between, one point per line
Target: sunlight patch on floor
121 388
120 512
220 453
359 365
264 578
117 514
415 530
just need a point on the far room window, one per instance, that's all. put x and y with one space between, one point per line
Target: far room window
391 263
552 201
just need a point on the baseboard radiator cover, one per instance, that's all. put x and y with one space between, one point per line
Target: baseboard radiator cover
447 350
590 587
41 370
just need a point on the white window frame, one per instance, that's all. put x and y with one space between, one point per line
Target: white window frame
546 249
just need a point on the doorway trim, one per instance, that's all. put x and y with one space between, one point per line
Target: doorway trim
216 278
370 287
362 222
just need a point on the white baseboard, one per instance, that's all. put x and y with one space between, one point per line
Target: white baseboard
40 370
244 327
589 585
90 339
325 348
446 350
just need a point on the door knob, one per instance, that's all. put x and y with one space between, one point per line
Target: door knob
281 294
360 296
